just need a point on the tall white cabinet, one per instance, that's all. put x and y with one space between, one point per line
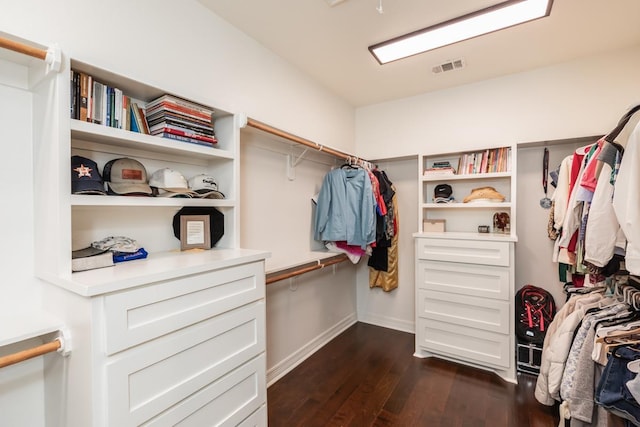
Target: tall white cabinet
175 339
464 278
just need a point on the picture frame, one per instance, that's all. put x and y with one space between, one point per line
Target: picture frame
195 232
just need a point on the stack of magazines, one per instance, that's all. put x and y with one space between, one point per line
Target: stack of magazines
176 118
440 168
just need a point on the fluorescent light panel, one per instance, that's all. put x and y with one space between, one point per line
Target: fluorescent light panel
484 21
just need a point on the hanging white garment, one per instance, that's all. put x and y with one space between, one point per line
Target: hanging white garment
626 199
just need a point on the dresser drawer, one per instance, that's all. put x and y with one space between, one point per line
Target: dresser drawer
486 281
473 312
464 251
154 377
465 343
237 399
142 314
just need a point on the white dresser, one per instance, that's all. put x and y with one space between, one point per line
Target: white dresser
184 346
464 299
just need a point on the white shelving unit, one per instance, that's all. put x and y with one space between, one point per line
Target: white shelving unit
178 335
464 278
459 216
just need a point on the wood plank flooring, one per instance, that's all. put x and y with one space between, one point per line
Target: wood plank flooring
367 376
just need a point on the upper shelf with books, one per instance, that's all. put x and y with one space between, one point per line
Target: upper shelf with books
492 162
112 101
85 132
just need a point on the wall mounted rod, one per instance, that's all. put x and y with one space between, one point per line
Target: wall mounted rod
305 268
274 131
30 353
23 48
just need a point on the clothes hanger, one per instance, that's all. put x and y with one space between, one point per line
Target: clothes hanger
618 336
349 164
611 347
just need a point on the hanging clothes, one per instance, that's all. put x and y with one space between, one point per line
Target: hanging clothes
605 235
346 208
626 202
388 279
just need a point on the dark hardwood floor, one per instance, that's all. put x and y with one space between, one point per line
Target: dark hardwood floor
367 376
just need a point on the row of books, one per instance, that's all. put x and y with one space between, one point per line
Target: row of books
167 116
486 161
96 102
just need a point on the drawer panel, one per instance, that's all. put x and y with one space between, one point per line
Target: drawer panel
465 251
142 314
468 344
479 313
151 378
257 419
236 399
486 281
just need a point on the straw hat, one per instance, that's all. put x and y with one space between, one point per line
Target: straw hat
484 194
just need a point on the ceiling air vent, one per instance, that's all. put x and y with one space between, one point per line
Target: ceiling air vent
454 64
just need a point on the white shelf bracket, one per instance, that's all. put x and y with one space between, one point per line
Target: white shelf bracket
241 120
292 162
53 58
65 342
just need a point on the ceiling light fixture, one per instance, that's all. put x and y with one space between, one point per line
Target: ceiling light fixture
494 18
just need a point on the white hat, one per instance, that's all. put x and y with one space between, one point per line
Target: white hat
169 183
206 186
126 176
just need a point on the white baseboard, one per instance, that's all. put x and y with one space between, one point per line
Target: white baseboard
281 369
388 322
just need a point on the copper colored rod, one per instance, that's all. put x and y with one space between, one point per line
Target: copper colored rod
277 276
274 131
23 48
21 356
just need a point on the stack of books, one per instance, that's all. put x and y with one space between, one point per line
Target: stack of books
440 168
176 118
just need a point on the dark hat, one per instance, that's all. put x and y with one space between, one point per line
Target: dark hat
216 221
126 176
85 177
442 190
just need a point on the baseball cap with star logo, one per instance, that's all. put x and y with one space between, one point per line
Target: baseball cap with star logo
85 177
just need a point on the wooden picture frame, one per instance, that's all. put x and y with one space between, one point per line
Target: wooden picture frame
195 232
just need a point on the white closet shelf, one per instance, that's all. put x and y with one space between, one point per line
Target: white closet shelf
156 267
17 328
474 205
92 132
467 177
455 235
97 200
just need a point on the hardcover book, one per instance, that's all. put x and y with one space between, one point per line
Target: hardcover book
90 258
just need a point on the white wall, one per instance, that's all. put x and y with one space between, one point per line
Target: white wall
183 47
23 382
577 98
277 214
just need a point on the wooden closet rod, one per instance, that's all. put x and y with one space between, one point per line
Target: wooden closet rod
23 48
274 131
305 268
30 353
